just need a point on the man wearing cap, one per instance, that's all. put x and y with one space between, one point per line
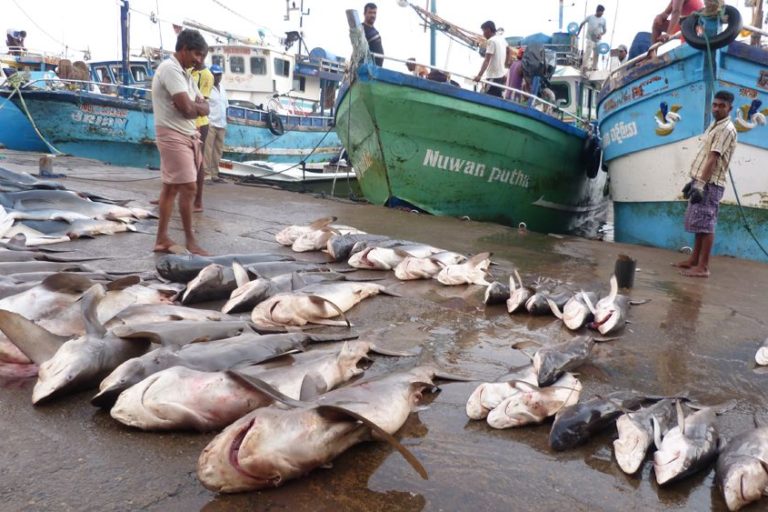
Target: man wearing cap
619 56
217 126
596 27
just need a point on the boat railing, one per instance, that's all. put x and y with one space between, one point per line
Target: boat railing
325 65
86 86
525 98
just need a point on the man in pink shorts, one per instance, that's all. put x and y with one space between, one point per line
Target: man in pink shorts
177 102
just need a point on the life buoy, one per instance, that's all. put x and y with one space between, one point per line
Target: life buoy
726 37
592 155
274 123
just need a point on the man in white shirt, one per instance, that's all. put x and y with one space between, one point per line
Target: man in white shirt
176 103
596 28
214 144
495 57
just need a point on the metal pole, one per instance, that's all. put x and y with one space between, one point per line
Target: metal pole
432 35
560 20
757 21
125 30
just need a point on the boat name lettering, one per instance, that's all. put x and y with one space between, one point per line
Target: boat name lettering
104 111
113 124
241 50
514 177
619 133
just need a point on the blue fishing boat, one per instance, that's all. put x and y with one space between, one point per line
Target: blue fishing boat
281 105
652 112
16 132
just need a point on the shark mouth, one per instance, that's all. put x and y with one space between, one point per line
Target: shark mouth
234 449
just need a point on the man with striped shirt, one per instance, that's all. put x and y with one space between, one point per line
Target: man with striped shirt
707 185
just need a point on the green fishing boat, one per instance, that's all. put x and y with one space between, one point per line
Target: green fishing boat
447 150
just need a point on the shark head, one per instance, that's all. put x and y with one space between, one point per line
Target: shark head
745 481
631 446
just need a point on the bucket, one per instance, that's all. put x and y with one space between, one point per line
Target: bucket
625 271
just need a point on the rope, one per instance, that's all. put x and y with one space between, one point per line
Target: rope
730 173
32 122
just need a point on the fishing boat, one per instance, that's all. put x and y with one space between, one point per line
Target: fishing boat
268 119
335 179
652 112
16 132
447 150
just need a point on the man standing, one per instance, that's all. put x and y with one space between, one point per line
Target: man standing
371 34
204 81
214 144
495 57
668 22
596 27
707 185
14 40
176 103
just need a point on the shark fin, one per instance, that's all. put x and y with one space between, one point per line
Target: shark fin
322 222
322 300
65 282
241 274
680 417
37 343
262 387
90 304
312 386
333 410
555 310
123 283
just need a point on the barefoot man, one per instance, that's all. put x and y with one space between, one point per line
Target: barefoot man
707 185
177 102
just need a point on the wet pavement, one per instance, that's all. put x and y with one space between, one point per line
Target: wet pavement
695 335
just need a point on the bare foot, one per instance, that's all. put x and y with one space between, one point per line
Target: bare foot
154 201
196 249
683 264
696 272
197 209
169 247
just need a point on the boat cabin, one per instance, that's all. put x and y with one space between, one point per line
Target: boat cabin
267 78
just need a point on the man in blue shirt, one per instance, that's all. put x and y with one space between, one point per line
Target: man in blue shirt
371 34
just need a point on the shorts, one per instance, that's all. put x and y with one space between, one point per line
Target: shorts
702 217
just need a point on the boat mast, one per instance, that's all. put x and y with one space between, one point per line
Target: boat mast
433 35
125 22
757 21
560 18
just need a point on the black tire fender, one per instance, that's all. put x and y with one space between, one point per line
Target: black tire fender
592 155
274 123
724 38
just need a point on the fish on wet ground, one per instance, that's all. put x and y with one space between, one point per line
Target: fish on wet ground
317 303
575 425
488 395
272 445
77 363
688 447
413 267
552 361
318 239
64 200
611 312
534 404
243 350
387 255
575 312
250 293
742 468
340 247
472 271
518 293
182 268
636 433
184 398
289 234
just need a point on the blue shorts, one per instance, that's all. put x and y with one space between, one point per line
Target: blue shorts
702 217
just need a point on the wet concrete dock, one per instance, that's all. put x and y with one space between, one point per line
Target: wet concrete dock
695 335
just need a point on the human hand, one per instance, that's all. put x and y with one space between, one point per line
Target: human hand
664 37
199 99
696 192
477 78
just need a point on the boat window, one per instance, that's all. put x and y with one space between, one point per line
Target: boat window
300 84
139 73
219 61
562 93
258 66
102 75
282 67
117 73
237 65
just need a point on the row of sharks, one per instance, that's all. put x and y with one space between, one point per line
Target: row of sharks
286 400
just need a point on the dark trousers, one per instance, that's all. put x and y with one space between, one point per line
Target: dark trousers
496 91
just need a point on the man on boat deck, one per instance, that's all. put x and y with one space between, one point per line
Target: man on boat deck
668 22
14 40
596 27
204 80
176 103
705 190
495 57
371 34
